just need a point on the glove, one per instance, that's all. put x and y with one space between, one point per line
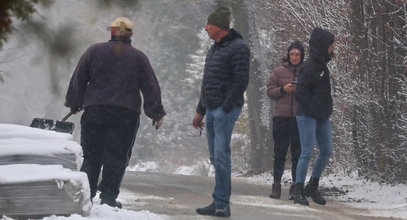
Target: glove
75 110
158 122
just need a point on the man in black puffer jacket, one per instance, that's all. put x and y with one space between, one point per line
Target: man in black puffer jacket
313 94
225 79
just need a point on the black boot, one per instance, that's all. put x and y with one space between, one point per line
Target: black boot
299 195
112 203
276 191
312 190
291 193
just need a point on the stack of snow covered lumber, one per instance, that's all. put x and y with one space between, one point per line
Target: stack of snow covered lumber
39 173
23 144
32 190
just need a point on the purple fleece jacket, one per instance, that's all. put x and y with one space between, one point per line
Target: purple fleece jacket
113 73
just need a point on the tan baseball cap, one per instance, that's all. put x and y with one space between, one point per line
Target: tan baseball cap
123 23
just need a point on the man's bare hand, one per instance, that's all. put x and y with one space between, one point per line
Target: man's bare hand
158 122
197 122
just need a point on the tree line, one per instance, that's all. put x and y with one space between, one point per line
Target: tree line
368 79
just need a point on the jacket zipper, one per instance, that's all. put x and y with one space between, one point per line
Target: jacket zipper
292 95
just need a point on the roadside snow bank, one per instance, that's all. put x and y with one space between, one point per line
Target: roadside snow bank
385 200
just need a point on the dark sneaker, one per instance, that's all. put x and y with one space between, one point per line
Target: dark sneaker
222 211
215 210
276 191
208 210
113 203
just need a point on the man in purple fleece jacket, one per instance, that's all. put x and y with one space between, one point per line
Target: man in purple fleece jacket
106 84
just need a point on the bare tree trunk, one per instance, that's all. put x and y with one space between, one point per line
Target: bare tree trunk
377 30
359 44
260 137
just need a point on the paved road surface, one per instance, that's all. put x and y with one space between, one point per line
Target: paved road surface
178 196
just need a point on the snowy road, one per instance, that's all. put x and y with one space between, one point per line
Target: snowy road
178 196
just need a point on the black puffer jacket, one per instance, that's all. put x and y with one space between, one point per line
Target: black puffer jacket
226 74
313 91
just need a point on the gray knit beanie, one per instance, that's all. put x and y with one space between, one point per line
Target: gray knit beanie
220 17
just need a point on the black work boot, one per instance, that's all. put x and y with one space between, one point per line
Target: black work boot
112 203
312 190
299 195
276 191
291 193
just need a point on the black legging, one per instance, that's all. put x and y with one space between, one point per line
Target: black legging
107 138
285 134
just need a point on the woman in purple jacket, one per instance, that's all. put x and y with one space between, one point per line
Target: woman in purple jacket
280 88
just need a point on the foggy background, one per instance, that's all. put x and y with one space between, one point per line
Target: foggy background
368 73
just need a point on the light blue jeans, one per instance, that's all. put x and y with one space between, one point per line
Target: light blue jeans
310 130
219 127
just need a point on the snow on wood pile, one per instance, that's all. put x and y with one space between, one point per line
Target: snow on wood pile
21 131
39 173
48 152
23 145
42 190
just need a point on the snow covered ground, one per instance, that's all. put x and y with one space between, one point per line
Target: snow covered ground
378 199
104 212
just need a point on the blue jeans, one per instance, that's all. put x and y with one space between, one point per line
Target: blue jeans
219 127
309 130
